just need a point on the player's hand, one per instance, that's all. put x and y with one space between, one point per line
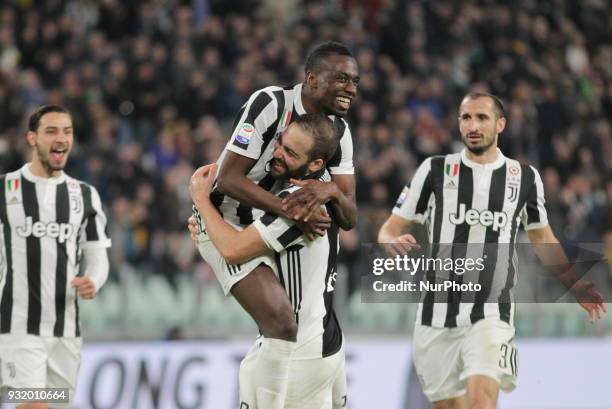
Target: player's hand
316 225
202 181
401 245
192 225
589 298
301 204
85 287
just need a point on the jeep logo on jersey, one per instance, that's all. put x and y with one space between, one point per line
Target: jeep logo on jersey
485 217
59 231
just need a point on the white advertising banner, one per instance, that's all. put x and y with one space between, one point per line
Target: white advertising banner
204 375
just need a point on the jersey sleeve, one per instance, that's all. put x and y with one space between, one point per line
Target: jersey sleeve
252 122
342 161
93 231
278 232
534 214
412 203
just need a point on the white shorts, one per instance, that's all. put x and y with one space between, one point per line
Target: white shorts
313 383
31 361
227 274
445 358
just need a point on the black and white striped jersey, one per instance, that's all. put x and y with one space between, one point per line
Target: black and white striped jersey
471 211
44 225
307 270
266 114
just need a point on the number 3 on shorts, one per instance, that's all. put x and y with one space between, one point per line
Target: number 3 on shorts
509 357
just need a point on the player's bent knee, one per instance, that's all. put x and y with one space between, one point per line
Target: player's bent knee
264 298
482 400
482 393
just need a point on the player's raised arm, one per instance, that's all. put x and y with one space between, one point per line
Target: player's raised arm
235 246
239 246
245 154
296 155
250 138
232 181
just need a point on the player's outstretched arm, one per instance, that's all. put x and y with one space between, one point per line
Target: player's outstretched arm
235 246
550 252
340 194
391 235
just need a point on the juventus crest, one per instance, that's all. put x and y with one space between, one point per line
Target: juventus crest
512 191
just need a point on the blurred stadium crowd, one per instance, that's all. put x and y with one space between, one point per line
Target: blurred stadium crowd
153 87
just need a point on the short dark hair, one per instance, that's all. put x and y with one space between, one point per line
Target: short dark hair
497 102
324 134
34 120
314 61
